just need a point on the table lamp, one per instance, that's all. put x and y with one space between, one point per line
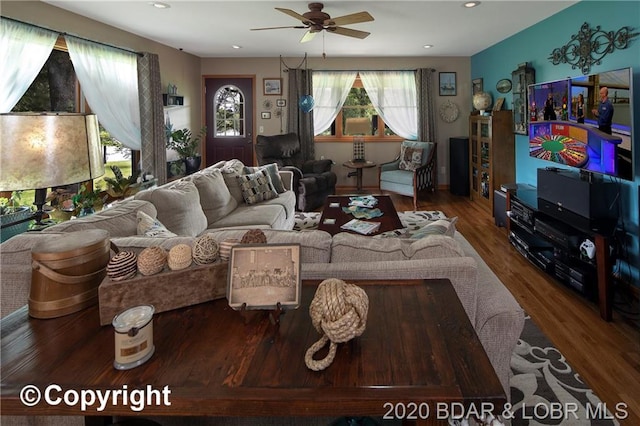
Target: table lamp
43 150
358 127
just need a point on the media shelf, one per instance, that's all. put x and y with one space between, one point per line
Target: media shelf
553 246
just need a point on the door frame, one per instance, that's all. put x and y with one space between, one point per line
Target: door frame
203 107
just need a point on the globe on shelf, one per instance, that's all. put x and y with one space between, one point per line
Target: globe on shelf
482 101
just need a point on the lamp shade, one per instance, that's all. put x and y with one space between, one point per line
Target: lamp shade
357 126
44 150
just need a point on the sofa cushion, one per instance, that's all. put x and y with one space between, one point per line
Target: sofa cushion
272 170
257 187
152 227
315 245
410 158
230 171
119 220
178 206
215 198
439 227
348 247
259 215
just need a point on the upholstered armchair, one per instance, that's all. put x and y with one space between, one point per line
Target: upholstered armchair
313 180
414 170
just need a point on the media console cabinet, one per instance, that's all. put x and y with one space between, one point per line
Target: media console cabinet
553 245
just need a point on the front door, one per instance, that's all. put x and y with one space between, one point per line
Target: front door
229 118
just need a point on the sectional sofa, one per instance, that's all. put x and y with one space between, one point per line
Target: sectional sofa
495 314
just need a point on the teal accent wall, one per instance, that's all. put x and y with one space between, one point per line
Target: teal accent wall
534 45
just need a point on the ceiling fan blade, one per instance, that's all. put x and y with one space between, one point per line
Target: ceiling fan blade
293 14
308 36
277 28
354 18
348 32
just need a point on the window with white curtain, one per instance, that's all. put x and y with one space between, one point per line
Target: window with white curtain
374 101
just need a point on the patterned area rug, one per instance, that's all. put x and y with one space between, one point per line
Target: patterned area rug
542 381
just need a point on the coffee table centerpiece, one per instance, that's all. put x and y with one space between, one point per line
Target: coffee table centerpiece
338 210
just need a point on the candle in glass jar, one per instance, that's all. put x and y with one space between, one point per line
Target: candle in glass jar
133 337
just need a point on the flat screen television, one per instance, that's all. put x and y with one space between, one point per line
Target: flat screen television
555 134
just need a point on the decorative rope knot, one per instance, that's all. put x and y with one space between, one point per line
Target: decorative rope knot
338 311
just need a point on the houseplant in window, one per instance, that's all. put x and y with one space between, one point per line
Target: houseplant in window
120 186
12 212
86 201
187 145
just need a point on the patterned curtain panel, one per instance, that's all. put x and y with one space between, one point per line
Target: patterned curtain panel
426 105
154 152
300 84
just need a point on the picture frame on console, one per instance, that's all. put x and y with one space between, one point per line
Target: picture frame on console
264 276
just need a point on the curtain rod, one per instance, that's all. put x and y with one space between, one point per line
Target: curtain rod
73 35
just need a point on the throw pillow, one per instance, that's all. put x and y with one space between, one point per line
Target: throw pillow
150 227
445 227
178 206
257 187
410 158
215 198
230 171
272 169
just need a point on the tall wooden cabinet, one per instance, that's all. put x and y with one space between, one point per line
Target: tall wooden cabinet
491 155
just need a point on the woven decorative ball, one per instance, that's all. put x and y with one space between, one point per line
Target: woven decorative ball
179 257
339 312
122 266
152 260
205 249
254 236
225 248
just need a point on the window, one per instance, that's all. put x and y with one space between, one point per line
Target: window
229 111
358 117
56 88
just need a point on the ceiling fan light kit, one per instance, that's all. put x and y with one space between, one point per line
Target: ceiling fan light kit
315 21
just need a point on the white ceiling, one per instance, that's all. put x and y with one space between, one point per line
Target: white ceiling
209 28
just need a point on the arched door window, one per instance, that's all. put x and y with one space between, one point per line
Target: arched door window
229 111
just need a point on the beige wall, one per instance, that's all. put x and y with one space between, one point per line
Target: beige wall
341 152
186 71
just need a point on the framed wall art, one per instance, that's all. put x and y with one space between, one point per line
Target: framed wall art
272 86
476 86
281 103
447 84
265 115
264 276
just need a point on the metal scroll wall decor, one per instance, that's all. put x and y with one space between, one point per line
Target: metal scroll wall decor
590 45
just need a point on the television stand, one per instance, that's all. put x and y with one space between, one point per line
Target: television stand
554 246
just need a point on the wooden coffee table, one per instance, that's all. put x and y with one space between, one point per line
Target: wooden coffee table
388 221
419 349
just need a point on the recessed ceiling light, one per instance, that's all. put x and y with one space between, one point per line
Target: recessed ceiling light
428 46
235 46
471 4
160 5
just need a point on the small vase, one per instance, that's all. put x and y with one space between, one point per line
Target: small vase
192 164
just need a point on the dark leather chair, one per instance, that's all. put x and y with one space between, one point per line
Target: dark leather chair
313 180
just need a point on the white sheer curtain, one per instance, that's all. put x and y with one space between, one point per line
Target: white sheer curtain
24 49
109 80
394 94
330 90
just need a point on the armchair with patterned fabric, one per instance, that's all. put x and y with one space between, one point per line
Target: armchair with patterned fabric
313 180
414 170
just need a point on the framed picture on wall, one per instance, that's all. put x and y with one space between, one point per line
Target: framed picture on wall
476 86
447 84
272 86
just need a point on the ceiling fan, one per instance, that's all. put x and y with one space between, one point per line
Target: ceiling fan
316 20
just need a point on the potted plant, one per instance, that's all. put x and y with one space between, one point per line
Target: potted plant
86 201
12 212
187 145
119 186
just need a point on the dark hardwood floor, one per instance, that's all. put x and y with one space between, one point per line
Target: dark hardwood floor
605 354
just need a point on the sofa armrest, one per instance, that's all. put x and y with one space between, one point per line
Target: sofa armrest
287 179
391 165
